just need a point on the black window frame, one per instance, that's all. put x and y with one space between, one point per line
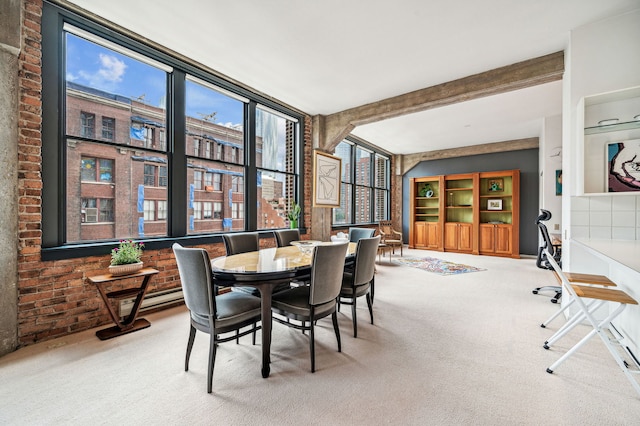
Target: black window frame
372 187
54 245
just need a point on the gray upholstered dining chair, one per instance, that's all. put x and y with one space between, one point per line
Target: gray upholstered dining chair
242 242
285 236
308 304
356 233
360 281
210 313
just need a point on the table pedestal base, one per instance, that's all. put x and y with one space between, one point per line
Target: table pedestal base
115 331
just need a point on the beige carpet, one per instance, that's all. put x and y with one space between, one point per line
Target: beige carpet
445 350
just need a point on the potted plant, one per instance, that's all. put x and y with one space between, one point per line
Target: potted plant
293 215
125 259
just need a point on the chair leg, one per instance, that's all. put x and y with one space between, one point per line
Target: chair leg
312 340
212 361
369 304
192 336
334 318
353 316
253 336
237 337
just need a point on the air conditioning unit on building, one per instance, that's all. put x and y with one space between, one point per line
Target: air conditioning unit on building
91 214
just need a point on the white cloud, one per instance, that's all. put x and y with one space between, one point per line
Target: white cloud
107 77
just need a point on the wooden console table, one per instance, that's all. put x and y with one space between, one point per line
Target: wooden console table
131 323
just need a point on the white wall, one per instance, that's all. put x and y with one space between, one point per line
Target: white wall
550 161
602 57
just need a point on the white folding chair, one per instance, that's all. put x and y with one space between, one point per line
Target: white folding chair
601 295
578 278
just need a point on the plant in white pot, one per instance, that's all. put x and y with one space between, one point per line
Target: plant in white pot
125 259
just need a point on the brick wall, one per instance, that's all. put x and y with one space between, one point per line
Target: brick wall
54 298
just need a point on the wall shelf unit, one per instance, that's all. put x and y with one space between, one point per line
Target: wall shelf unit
477 213
426 213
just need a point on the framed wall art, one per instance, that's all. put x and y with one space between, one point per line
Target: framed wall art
495 185
494 204
326 180
622 166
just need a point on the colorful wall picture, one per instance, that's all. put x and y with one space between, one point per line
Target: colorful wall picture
558 182
495 185
623 166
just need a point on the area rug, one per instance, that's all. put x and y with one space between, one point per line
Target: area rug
437 266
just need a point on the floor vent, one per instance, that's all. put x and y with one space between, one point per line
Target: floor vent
153 300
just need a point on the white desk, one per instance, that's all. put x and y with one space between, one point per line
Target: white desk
624 252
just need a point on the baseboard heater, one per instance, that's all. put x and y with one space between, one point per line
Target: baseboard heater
152 301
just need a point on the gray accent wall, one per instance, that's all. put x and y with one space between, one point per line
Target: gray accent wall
524 160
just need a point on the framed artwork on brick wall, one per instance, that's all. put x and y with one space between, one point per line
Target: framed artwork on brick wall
326 180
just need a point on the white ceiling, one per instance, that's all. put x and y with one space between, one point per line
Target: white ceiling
325 56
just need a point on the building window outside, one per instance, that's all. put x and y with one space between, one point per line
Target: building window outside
96 170
365 189
150 175
108 128
162 137
237 184
208 181
125 159
196 147
206 208
217 210
197 180
197 210
148 137
149 210
97 210
237 211
163 177
87 124
162 210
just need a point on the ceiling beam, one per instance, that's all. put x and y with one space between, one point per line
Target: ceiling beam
532 72
409 161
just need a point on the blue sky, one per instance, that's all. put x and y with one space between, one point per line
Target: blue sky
95 66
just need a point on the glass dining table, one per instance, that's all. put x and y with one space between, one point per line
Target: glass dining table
264 270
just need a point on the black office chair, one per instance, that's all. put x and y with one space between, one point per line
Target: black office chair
554 249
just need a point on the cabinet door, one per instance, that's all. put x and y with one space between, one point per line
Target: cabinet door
465 236
503 239
487 238
432 237
420 240
451 236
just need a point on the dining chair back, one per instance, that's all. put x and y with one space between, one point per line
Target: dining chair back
242 242
359 281
285 236
212 314
356 233
238 243
307 304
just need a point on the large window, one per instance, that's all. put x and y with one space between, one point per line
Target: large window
365 186
153 146
277 175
